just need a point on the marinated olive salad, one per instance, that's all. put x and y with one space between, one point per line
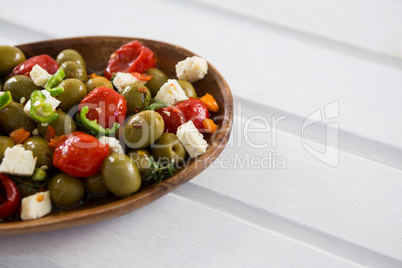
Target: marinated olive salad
66 136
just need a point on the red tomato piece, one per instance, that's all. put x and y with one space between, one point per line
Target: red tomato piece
80 155
9 197
131 57
191 109
44 61
172 118
105 105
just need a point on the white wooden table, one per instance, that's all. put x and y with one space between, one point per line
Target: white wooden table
312 175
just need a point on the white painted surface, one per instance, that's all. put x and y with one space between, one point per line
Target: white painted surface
308 214
370 25
290 71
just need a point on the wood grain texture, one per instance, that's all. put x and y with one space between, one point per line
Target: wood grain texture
284 70
369 25
357 201
170 232
96 51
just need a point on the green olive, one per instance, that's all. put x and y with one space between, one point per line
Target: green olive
64 124
66 190
140 158
188 88
10 57
121 175
96 82
74 92
70 55
157 80
20 86
95 184
13 117
39 148
142 129
74 70
137 97
5 142
168 148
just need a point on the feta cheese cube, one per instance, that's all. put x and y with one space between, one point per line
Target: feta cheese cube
170 93
49 99
122 80
114 144
192 69
35 206
191 139
18 161
39 76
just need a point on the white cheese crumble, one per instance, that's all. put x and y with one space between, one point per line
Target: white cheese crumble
191 139
49 99
39 76
35 206
35 132
122 80
192 69
18 161
171 93
114 144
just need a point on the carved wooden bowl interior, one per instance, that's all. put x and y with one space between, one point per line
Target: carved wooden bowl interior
96 51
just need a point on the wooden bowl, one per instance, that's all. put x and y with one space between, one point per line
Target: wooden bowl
96 51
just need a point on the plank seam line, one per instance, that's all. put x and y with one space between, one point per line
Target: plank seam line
287 31
21 33
349 142
294 231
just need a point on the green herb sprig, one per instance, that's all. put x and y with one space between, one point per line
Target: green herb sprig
33 185
159 171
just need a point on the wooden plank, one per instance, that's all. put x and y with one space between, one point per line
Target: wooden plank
357 201
12 34
282 226
369 25
282 70
171 232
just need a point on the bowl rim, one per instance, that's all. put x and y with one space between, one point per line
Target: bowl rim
147 194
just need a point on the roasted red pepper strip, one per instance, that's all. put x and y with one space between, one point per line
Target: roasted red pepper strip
50 133
131 57
9 197
191 109
106 106
94 127
80 155
44 61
